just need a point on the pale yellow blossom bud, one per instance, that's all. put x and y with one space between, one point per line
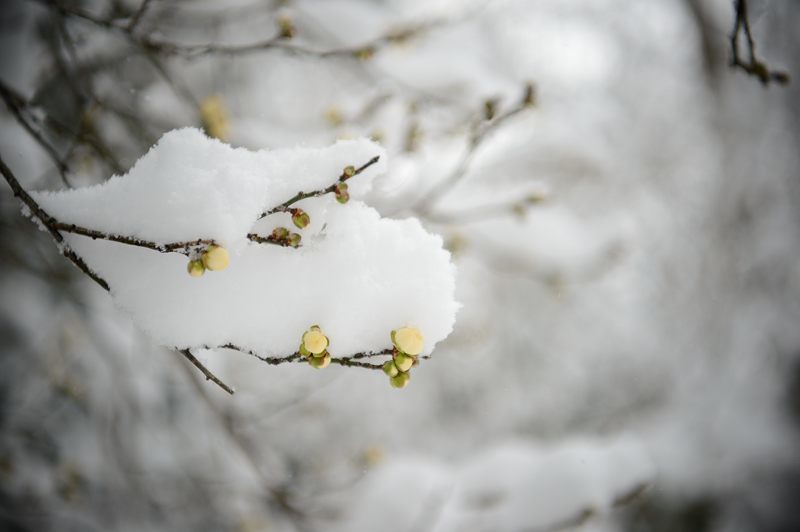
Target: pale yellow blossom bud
409 340
216 258
314 341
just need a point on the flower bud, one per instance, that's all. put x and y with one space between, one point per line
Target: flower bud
365 53
403 361
196 268
300 218
294 240
314 341
286 27
529 95
216 258
490 108
349 171
390 369
280 233
408 340
320 362
334 116
303 351
400 380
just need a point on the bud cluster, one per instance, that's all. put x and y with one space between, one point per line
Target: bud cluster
342 195
314 347
214 258
408 343
283 236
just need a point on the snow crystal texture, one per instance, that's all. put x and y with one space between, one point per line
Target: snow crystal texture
357 275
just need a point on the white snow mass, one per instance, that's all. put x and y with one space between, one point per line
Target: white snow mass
357 275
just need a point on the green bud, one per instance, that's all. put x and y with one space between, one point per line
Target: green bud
195 268
349 171
303 351
280 233
320 362
300 218
390 369
343 198
400 380
403 361
294 240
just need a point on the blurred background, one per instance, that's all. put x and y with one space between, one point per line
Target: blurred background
622 206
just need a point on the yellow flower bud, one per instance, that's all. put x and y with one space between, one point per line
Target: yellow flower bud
303 351
403 361
409 340
216 258
196 268
320 362
400 380
315 341
390 369
215 117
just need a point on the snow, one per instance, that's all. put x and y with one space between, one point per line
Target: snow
357 275
514 485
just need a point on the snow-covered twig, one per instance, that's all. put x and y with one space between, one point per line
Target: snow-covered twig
56 227
348 360
46 220
346 174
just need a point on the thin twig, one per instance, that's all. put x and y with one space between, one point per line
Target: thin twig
479 132
16 104
348 360
137 16
205 371
753 66
43 217
276 43
283 207
46 220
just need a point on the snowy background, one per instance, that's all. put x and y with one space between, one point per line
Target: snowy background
623 214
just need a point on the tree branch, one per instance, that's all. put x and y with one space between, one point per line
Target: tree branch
16 105
349 360
479 132
205 371
753 66
46 221
283 207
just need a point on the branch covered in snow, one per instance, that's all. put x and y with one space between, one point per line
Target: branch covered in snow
195 196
